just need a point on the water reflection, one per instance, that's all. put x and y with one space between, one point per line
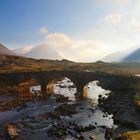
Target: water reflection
66 88
87 113
92 91
137 75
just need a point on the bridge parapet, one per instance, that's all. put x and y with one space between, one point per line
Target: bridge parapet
79 78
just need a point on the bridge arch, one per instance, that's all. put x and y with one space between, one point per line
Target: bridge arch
93 90
80 78
62 86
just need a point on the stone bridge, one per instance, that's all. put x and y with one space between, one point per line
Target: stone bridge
79 78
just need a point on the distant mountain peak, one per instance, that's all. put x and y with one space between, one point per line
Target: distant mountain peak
4 50
43 51
131 54
133 57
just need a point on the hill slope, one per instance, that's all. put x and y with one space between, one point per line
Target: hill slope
9 63
4 50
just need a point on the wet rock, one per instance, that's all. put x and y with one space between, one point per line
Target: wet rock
12 131
78 95
95 123
61 99
92 137
109 133
90 127
92 110
58 131
1 134
78 135
20 125
82 108
64 110
86 128
103 127
22 106
81 137
121 105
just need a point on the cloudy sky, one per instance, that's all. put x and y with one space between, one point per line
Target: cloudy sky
80 30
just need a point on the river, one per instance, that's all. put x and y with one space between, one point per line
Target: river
35 120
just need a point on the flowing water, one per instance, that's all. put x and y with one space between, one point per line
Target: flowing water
87 112
66 88
92 91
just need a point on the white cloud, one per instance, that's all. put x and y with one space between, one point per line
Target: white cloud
118 33
114 1
137 28
59 40
115 35
76 50
44 30
135 25
72 49
112 19
69 48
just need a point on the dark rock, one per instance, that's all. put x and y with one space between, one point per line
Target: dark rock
92 137
108 134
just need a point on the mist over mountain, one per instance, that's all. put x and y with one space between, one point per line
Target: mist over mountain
115 57
22 50
133 57
123 56
4 50
43 51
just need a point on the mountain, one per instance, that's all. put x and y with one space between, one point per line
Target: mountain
133 57
4 50
120 56
43 51
115 57
23 50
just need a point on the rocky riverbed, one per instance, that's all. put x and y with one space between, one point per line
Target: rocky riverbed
52 119
57 117
124 111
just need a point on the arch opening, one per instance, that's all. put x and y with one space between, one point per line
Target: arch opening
62 86
93 91
29 87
